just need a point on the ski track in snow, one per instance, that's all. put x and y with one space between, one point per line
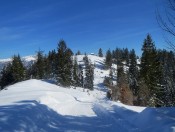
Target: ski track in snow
35 105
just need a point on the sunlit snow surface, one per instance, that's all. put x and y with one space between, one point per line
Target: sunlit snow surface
36 105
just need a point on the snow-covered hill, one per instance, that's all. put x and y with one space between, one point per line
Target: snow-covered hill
36 105
27 60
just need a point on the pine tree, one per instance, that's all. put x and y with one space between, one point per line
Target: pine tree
151 71
80 76
100 53
18 70
118 56
108 60
13 72
64 64
133 73
6 76
51 64
75 73
40 66
167 60
126 56
78 53
89 72
111 77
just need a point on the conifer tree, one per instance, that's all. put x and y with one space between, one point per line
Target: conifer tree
51 64
80 76
6 76
18 70
75 72
133 73
100 53
64 64
40 65
151 71
126 56
89 72
13 72
108 60
78 53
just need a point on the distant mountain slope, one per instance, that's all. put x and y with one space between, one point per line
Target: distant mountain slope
26 61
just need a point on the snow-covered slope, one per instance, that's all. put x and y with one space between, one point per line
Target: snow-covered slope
27 60
36 105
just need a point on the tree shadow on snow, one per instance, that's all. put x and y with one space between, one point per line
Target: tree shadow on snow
32 116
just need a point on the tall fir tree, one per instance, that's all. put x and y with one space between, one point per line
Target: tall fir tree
13 72
89 74
18 70
40 65
151 71
80 76
64 64
6 76
75 72
51 64
108 60
78 53
126 56
133 72
100 53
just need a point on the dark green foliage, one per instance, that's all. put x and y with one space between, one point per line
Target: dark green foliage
13 72
18 70
108 60
78 53
100 53
126 56
40 65
151 71
51 64
80 76
107 81
64 64
122 77
6 76
75 73
89 72
167 93
133 73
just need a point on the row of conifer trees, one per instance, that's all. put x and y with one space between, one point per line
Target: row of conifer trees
60 66
148 83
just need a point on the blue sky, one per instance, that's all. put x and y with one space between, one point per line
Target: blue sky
86 25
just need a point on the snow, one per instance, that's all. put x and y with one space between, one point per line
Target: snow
29 58
36 105
26 58
5 60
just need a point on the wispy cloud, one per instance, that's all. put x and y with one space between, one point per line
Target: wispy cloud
7 33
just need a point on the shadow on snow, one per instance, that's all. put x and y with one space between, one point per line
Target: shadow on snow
32 116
